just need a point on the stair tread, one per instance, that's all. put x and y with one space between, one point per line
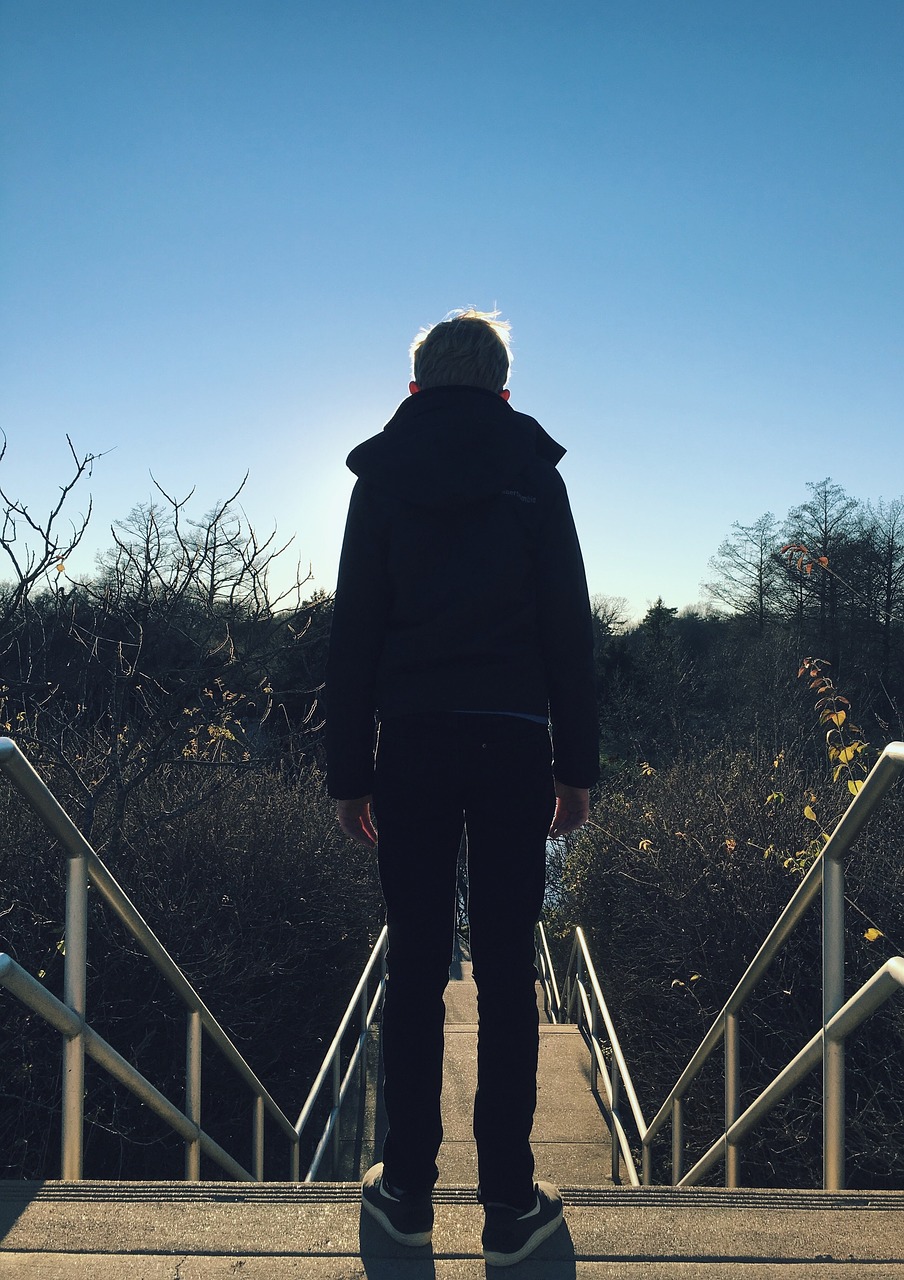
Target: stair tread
613 1227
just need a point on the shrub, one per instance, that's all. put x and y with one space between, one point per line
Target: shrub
677 881
269 911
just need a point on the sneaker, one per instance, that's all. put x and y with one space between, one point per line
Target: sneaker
508 1237
406 1216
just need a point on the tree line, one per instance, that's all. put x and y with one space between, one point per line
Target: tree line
832 570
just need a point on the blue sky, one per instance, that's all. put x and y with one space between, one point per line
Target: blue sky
224 220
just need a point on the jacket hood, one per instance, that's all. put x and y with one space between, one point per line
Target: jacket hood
450 446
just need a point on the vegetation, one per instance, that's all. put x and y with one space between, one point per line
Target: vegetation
171 700
171 703
729 755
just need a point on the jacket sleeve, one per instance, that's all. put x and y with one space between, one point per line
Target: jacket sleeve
356 643
566 638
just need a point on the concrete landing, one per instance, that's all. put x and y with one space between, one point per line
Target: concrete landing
211 1231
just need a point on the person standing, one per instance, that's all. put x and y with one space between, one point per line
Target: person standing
460 695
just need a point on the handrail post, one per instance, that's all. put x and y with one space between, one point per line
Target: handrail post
732 1096
594 1029
646 1161
74 993
362 1035
295 1160
193 1093
615 1079
677 1139
833 1108
579 983
337 1088
258 1130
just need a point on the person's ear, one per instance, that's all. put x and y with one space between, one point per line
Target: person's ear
413 388
505 394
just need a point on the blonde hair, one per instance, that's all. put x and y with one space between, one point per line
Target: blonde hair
467 348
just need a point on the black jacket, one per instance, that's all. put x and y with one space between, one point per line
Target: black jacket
461 584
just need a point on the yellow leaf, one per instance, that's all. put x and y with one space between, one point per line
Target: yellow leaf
60 567
854 785
872 934
808 813
695 977
838 718
846 754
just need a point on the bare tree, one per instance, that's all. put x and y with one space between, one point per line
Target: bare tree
746 570
160 665
610 614
36 550
827 527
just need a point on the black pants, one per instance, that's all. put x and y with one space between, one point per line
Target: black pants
436 775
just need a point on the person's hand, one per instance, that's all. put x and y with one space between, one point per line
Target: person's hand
572 810
356 820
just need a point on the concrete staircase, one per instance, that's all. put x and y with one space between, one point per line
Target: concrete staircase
214 1230
570 1138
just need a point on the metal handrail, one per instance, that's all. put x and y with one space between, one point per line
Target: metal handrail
331 1068
35 995
85 865
883 984
839 1018
582 996
552 1001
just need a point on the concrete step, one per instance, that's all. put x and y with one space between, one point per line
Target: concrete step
211 1231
